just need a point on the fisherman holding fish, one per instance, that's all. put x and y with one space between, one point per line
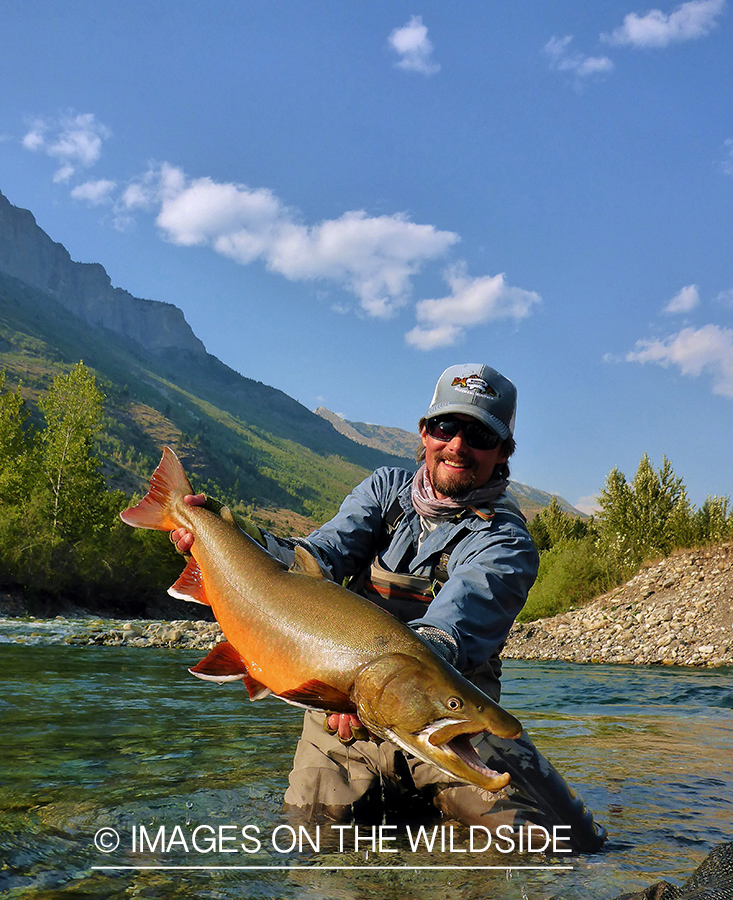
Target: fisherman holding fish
446 550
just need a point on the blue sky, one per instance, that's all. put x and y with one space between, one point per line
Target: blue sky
345 199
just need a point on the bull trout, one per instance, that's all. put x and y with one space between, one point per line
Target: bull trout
294 634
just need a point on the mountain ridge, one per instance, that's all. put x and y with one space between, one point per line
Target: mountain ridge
398 440
264 450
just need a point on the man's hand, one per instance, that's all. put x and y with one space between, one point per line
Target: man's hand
348 728
180 537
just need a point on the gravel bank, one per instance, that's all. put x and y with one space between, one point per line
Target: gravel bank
676 612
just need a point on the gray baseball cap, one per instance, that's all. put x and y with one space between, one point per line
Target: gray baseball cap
478 391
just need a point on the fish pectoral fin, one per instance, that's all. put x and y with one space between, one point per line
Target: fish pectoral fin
306 564
316 695
190 585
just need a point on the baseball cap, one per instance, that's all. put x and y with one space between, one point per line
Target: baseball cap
479 391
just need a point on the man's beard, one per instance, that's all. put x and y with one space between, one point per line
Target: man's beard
452 484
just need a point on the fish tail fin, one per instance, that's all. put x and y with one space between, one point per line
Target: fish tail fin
168 485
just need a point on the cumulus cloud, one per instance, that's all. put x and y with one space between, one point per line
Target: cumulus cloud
75 141
564 60
94 192
414 47
685 301
693 351
472 302
688 22
588 504
373 257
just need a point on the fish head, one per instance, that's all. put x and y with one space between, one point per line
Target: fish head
431 711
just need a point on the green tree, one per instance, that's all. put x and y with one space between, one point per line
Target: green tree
72 479
713 522
16 450
642 519
552 525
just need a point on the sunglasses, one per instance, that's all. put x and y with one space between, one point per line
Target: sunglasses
478 437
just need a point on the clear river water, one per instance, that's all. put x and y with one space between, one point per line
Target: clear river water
123 776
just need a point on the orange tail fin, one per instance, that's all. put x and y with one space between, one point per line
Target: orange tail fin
168 485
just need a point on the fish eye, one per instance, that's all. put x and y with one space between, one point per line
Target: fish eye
454 703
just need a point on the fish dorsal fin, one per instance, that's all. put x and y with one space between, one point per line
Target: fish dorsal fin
227 515
190 585
306 564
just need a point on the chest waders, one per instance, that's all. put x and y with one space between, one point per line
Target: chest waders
407 597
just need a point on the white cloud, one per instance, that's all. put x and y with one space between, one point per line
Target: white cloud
94 192
725 298
414 47
685 301
75 141
689 21
562 59
472 302
373 257
588 505
693 351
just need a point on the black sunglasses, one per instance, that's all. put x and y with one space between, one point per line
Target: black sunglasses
478 437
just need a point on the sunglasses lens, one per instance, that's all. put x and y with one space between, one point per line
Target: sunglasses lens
476 436
443 429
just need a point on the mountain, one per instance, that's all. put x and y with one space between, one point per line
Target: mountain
243 441
380 437
404 443
28 254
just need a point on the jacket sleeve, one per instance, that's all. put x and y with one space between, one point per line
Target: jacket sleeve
348 542
489 576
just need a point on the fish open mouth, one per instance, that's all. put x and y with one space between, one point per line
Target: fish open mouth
452 739
465 751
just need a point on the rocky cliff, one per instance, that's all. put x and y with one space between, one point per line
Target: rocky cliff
28 254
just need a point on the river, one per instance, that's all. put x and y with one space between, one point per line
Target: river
123 746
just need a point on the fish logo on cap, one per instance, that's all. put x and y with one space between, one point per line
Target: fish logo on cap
473 383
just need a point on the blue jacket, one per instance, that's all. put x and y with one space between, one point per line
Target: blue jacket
490 569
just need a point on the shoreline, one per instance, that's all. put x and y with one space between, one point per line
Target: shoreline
676 612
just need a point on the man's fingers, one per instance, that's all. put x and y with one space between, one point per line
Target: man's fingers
195 499
344 730
182 539
348 728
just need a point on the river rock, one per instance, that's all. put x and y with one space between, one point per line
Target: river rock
677 611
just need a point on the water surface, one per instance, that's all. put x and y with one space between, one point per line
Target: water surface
97 738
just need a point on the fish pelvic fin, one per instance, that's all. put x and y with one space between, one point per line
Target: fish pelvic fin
190 585
314 694
168 484
223 664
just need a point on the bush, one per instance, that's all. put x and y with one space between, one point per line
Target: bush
571 573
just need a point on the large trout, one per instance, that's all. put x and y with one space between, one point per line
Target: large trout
294 634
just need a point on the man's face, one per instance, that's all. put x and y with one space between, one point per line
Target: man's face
454 467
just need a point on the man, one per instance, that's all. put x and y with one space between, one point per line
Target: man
447 551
